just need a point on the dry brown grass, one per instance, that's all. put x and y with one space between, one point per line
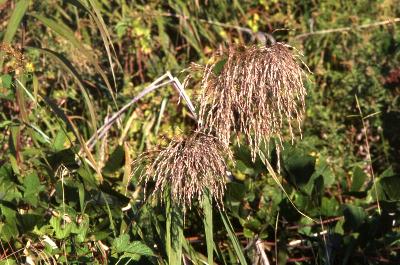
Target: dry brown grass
258 92
186 168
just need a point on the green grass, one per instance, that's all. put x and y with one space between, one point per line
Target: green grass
85 60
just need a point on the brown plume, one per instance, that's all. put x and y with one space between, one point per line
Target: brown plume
186 168
257 91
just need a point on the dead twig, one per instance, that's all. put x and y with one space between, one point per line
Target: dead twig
101 132
345 29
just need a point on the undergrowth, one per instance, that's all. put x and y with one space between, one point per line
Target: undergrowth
86 87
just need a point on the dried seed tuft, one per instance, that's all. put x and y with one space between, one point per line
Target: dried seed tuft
257 91
186 168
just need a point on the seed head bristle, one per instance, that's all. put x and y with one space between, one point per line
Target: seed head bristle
13 53
186 168
258 92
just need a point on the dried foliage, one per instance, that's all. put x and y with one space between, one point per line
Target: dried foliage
186 168
14 54
254 90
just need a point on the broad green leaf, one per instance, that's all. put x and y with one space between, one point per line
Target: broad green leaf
123 245
116 160
324 169
8 228
81 230
391 187
14 164
32 188
354 217
29 221
329 206
300 167
61 228
8 261
120 244
64 157
5 81
59 140
358 178
87 177
8 231
9 190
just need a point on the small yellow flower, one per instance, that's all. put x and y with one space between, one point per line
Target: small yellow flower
316 156
29 67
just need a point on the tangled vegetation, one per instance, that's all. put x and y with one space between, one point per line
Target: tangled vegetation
259 158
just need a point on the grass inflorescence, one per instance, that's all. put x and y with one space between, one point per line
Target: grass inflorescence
186 168
257 91
16 56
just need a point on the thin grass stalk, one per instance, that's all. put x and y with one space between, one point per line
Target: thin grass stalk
174 232
208 225
371 168
233 238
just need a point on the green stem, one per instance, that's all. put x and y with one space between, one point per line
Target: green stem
174 233
208 225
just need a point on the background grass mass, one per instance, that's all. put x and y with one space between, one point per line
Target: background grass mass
68 66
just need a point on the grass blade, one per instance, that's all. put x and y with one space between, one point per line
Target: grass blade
174 233
68 34
208 225
68 66
15 20
233 238
105 35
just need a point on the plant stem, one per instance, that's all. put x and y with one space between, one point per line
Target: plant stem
174 232
208 225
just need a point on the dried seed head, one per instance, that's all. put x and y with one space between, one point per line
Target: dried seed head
186 168
13 54
257 91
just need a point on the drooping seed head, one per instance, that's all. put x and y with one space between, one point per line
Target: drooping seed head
186 168
257 91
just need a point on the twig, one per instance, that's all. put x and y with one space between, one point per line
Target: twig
260 249
153 86
103 129
344 29
179 87
323 233
276 238
297 242
368 154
